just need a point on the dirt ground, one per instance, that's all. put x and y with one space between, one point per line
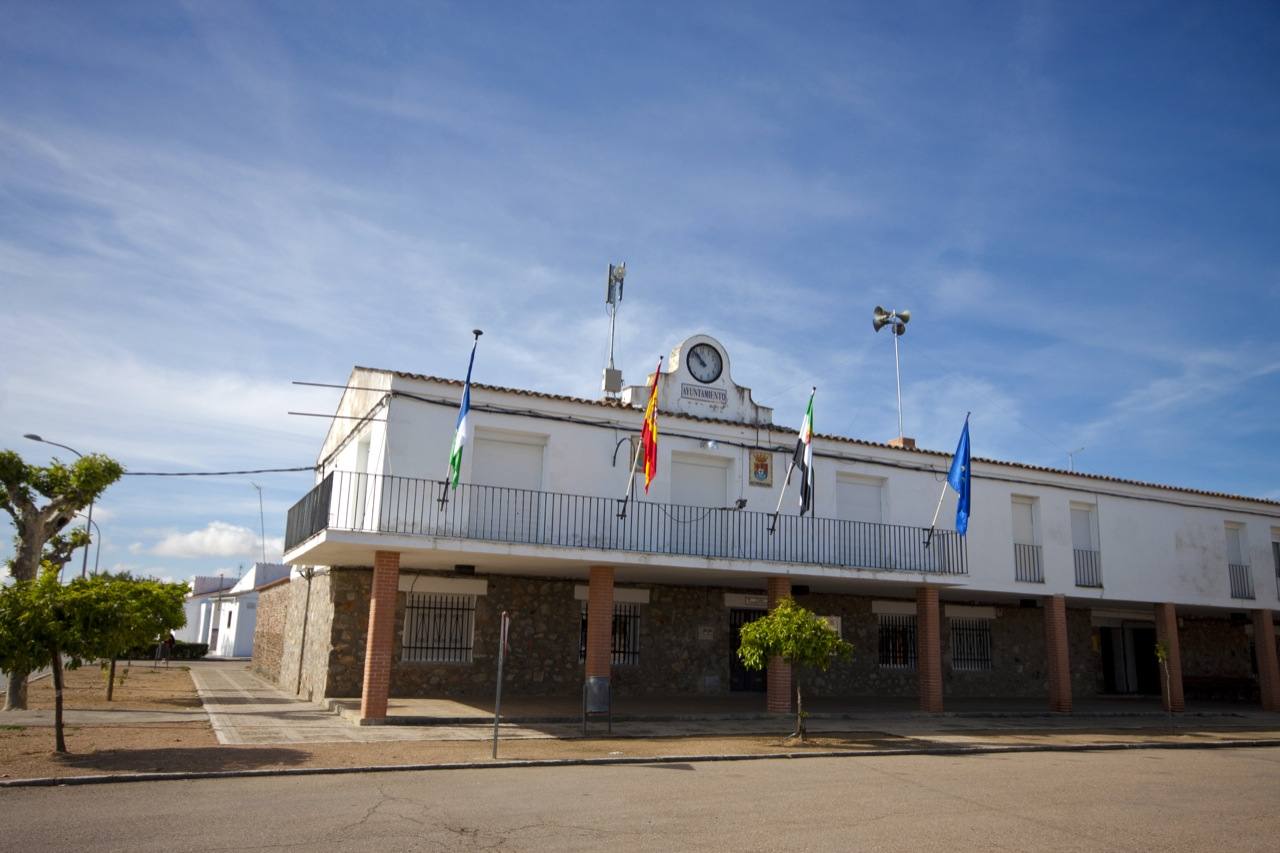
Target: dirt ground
141 688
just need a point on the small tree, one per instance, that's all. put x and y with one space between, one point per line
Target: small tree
68 489
43 623
800 638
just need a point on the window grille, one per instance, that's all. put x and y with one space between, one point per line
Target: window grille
1241 580
970 644
897 641
1026 563
626 634
438 628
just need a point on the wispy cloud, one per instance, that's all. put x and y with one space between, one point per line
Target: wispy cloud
217 539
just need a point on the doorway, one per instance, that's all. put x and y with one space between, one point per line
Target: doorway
741 679
1129 664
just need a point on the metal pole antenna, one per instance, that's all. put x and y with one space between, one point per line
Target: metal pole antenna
897 372
262 521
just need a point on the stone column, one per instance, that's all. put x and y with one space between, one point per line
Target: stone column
600 622
778 695
1058 653
929 649
1264 644
382 627
1167 636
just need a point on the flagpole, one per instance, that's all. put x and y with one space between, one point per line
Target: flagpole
448 476
635 463
631 480
929 536
791 466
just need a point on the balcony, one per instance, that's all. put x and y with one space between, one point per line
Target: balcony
377 503
1241 580
1027 566
1088 567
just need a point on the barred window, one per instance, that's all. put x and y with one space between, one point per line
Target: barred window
626 634
897 641
970 644
438 628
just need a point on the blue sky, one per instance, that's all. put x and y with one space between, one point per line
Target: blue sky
202 202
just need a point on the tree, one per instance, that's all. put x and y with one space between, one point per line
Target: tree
43 623
799 637
68 489
131 612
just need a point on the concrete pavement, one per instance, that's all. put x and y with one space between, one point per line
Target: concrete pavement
1174 801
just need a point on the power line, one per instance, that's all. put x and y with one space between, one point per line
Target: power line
215 473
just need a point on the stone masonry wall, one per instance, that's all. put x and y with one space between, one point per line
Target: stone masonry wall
269 631
684 646
312 600
1214 647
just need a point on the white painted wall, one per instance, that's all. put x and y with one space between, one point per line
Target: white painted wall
1155 544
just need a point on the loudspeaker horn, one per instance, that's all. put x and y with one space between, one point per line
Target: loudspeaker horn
880 318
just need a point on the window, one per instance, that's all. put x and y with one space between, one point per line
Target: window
1275 559
626 634
1084 544
859 499
1238 571
970 644
897 641
438 628
1027 565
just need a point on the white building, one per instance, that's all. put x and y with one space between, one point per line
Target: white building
1062 588
222 612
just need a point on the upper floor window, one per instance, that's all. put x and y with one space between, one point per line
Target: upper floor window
1027 564
859 498
1084 545
1241 576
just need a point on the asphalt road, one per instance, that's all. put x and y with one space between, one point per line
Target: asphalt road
1139 801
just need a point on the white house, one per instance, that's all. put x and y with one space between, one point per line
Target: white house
1062 588
224 614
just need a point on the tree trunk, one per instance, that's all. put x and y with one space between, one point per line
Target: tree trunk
15 699
60 741
799 713
111 679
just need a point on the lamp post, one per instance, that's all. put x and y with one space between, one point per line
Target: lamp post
262 521
84 564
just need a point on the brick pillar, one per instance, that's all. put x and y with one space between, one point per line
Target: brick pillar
1264 644
778 695
1058 652
600 622
1167 636
382 628
929 649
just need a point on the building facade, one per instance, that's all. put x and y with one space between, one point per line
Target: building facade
1063 587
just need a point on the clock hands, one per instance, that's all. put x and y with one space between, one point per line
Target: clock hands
699 357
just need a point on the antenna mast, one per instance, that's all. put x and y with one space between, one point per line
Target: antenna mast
612 384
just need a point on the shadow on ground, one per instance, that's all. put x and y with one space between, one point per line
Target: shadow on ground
175 759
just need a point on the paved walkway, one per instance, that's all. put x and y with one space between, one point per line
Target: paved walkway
246 709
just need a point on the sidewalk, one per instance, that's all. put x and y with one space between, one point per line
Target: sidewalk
246 709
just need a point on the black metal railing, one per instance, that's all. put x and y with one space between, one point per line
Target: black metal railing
1027 565
405 505
970 644
1241 580
1088 567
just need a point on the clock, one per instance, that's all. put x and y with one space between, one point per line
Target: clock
705 363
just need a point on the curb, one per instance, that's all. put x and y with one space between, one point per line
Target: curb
49 781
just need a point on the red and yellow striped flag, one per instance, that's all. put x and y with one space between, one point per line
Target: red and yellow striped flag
649 436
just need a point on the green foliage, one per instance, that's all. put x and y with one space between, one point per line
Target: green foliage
794 634
1162 653
67 489
114 613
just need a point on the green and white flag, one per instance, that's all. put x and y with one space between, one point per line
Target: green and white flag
461 432
803 459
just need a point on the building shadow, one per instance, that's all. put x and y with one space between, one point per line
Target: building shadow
186 759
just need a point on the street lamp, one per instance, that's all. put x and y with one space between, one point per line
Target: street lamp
84 564
262 521
97 554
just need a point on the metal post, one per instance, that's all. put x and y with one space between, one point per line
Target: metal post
897 371
262 521
503 632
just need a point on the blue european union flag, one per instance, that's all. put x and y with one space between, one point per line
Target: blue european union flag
959 479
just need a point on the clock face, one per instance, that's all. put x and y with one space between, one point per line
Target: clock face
705 363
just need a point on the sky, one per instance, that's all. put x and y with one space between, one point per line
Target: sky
203 202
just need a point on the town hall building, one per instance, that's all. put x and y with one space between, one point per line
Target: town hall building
1061 590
